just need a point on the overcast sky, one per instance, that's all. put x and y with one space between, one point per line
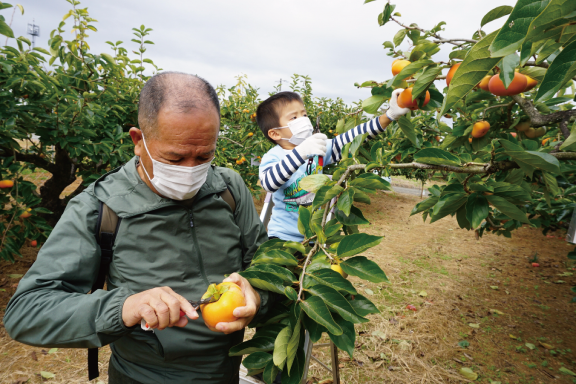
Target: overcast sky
335 42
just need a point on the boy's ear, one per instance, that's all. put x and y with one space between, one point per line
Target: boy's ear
274 135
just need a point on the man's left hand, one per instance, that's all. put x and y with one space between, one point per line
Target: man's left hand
244 314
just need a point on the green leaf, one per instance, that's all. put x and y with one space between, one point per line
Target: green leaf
304 217
409 130
292 347
332 279
337 302
256 344
362 305
284 274
108 58
567 144
551 184
558 13
436 156
562 69
264 280
410 70
291 293
296 374
507 69
257 360
295 245
345 201
317 310
475 66
276 256
280 347
325 194
346 340
399 37
5 29
388 9
354 244
357 144
52 350
477 209
360 196
514 30
313 183
424 81
424 205
508 208
447 205
370 181
364 268
373 103
355 218
313 328
495 14
535 159
566 371
270 372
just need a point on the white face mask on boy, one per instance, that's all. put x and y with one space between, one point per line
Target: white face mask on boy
301 129
175 181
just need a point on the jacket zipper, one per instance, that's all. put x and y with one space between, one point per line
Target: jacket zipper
200 258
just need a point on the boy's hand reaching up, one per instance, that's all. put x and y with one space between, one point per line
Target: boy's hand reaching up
395 112
312 146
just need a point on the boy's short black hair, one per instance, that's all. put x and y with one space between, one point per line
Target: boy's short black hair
268 112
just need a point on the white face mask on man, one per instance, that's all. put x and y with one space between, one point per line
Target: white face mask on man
301 129
175 181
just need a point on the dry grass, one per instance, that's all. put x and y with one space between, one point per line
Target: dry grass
401 346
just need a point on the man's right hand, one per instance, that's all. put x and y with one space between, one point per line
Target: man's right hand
159 307
312 146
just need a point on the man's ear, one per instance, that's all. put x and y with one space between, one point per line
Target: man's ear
136 136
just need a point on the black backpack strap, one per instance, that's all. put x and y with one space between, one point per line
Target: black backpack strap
106 231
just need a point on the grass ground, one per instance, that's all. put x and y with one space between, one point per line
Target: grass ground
479 305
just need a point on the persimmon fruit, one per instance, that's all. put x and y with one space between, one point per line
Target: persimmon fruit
518 85
405 100
6 184
523 126
484 83
533 133
451 73
228 297
398 66
33 243
513 134
530 83
338 268
480 129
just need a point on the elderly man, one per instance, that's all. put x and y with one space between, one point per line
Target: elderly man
176 236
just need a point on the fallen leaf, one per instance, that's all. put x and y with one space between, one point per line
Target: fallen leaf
327 381
513 337
53 350
496 311
379 334
494 287
530 345
559 282
423 294
391 368
468 373
411 307
15 276
33 356
565 274
495 382
369 291
2 290
47 375
507 292
474 325
547 346
566 371
44 352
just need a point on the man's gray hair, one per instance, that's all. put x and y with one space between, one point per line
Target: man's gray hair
180 91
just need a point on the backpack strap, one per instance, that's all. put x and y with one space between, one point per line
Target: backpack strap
229 198
106 231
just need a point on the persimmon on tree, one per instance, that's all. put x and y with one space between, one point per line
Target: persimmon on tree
496 181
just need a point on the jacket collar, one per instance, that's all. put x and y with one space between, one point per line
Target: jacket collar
128 195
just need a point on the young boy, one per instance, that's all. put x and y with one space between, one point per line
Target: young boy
283 120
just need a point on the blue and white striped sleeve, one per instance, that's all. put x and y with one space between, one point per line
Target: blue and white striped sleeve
274 173
372 128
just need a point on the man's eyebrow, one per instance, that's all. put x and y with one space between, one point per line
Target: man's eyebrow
208 153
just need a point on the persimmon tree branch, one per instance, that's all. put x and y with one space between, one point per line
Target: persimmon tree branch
538 120
439 38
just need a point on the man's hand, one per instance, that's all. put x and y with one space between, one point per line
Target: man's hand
159 307
244 314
